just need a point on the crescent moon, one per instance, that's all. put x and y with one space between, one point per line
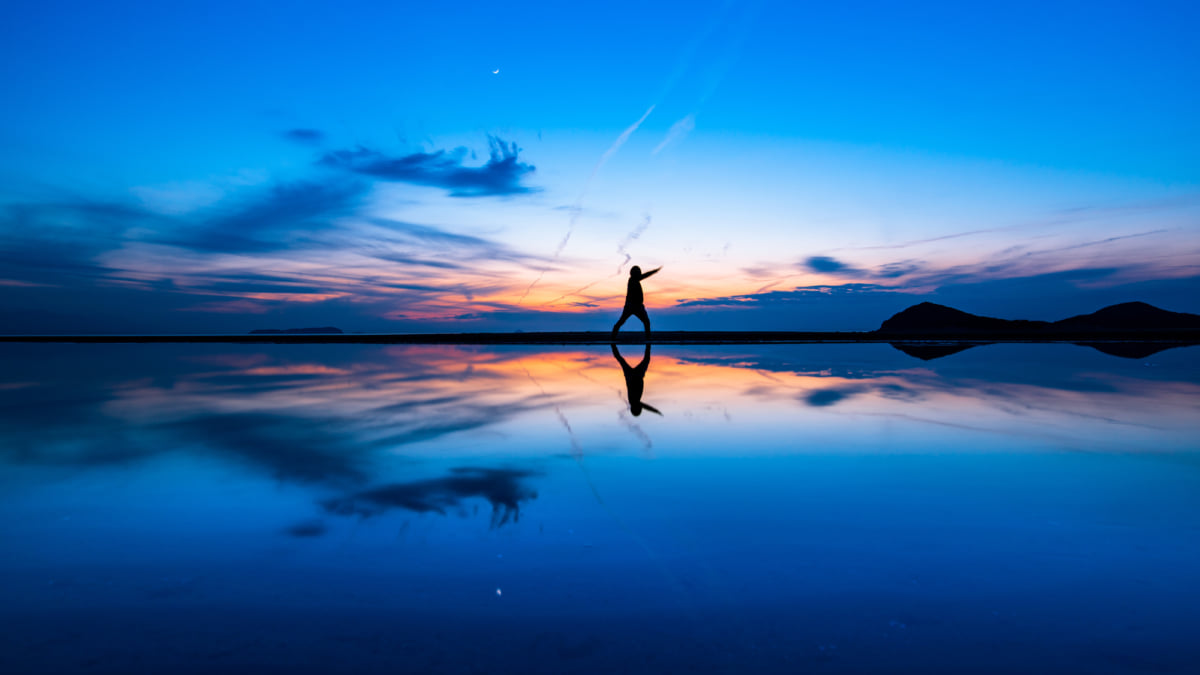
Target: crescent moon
496 71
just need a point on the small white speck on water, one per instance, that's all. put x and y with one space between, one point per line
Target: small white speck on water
498 593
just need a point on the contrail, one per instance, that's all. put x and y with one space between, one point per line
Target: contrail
681 66
612 150
577 207
629 239
576 291
687 123
678 130
647 444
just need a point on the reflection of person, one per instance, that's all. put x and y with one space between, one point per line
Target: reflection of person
635 381
635 304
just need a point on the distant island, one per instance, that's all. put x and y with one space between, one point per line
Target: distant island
1126 318
1132 330
322 330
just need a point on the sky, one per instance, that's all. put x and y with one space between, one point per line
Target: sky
416 167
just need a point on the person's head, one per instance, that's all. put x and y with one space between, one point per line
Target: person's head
635 271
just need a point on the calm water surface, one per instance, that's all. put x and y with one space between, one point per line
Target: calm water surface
806 508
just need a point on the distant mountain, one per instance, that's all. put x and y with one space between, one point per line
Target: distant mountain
1129 318
296 331
930 318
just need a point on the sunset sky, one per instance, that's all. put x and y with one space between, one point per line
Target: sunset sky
411 167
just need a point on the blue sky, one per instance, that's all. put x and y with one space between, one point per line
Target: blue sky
228 166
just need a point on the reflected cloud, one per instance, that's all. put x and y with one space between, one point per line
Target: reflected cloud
504 489
288 447
827 397
1057 394
309 416
358 422
307 529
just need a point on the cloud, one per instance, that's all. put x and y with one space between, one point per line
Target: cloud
60 243
285 215
307 528
418 262
305 136
504 489
823 264
822 398
440 248
501 175
800 294
179 198
287 447
250 261
896 270
1018 261
827 265
862 306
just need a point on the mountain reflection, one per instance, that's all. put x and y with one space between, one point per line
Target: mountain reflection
928 351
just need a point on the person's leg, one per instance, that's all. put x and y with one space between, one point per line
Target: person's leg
625 314
640 313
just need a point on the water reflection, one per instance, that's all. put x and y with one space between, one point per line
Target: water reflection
504 489
928 351
635 381
839 507
343 418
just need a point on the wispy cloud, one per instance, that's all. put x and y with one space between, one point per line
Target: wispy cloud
284 216
823 264
861 306
800 294
304 136
827 265
502 175
264 250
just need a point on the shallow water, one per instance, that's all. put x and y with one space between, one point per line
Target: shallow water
825 508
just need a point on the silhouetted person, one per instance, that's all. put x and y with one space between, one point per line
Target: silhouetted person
635 380
635 304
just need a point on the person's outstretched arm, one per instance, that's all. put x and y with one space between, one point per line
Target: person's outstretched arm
651 272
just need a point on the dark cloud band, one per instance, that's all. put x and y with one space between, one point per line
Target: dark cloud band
501 175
